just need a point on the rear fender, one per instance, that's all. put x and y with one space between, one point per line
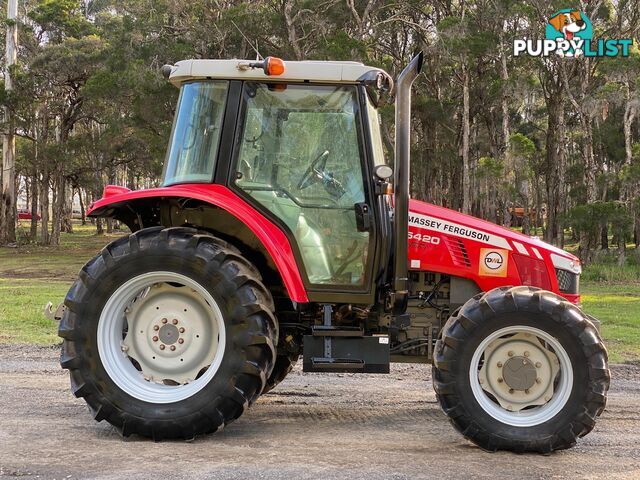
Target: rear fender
144 208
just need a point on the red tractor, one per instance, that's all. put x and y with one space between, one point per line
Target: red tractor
280 231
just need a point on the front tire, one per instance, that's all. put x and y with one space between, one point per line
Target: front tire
521 369
168 334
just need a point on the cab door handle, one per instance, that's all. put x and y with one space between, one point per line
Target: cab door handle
363 217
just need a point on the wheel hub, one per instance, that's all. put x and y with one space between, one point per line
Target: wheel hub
519 372
170 334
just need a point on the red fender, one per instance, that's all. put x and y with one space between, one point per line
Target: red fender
273 239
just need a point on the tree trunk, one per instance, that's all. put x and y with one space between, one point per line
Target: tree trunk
8 212
33 232
466 127
292 33
82 210
27 192
59 199
627 191
67 214
96 194
44 209
604 237
586 236
506 130
555 168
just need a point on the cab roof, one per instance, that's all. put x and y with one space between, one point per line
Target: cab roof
295 71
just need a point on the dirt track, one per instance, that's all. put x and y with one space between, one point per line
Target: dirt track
312 426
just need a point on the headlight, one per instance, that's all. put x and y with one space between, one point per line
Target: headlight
564 263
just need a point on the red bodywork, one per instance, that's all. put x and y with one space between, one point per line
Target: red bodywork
274 240
450 242
440 240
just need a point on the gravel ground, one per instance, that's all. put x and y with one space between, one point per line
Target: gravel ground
331 426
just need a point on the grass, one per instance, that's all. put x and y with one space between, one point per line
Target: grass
31 276
617 306
21 305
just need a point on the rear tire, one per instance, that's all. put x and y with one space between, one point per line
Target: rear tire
549 336
160 397
284 364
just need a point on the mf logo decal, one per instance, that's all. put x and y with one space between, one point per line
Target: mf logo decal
493 262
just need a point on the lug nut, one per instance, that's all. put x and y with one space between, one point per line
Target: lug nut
538 364
511 390
164 320
162 347
175 321
181 341
181 330
499 364
538 380
156 328
124 348
155 338
510 353
500 380
526 390
172 347
526 354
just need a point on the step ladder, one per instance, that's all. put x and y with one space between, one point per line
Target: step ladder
332 348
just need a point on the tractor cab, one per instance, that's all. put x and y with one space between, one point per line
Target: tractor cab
301 146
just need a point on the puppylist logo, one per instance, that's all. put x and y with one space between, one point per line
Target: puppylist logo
569 33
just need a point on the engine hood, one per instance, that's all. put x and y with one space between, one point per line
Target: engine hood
450 221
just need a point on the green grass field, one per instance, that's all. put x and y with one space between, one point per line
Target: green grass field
30 276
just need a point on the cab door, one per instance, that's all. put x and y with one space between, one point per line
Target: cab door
300 158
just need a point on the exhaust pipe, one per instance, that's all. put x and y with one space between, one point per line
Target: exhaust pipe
401 180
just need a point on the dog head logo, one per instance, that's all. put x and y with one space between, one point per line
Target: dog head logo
570 28
569 24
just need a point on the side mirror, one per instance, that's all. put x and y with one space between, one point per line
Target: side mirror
383 172
166 71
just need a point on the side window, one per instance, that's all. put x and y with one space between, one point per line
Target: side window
300 157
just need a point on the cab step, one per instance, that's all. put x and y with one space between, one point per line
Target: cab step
332 331
331 364
346 354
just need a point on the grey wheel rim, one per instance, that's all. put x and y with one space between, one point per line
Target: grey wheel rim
161 337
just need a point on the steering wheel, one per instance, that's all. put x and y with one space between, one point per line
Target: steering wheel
315 173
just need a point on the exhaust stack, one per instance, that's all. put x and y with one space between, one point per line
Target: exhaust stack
401 180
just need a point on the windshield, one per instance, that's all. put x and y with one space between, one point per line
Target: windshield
196 133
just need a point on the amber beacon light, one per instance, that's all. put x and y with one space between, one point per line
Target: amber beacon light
273 66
